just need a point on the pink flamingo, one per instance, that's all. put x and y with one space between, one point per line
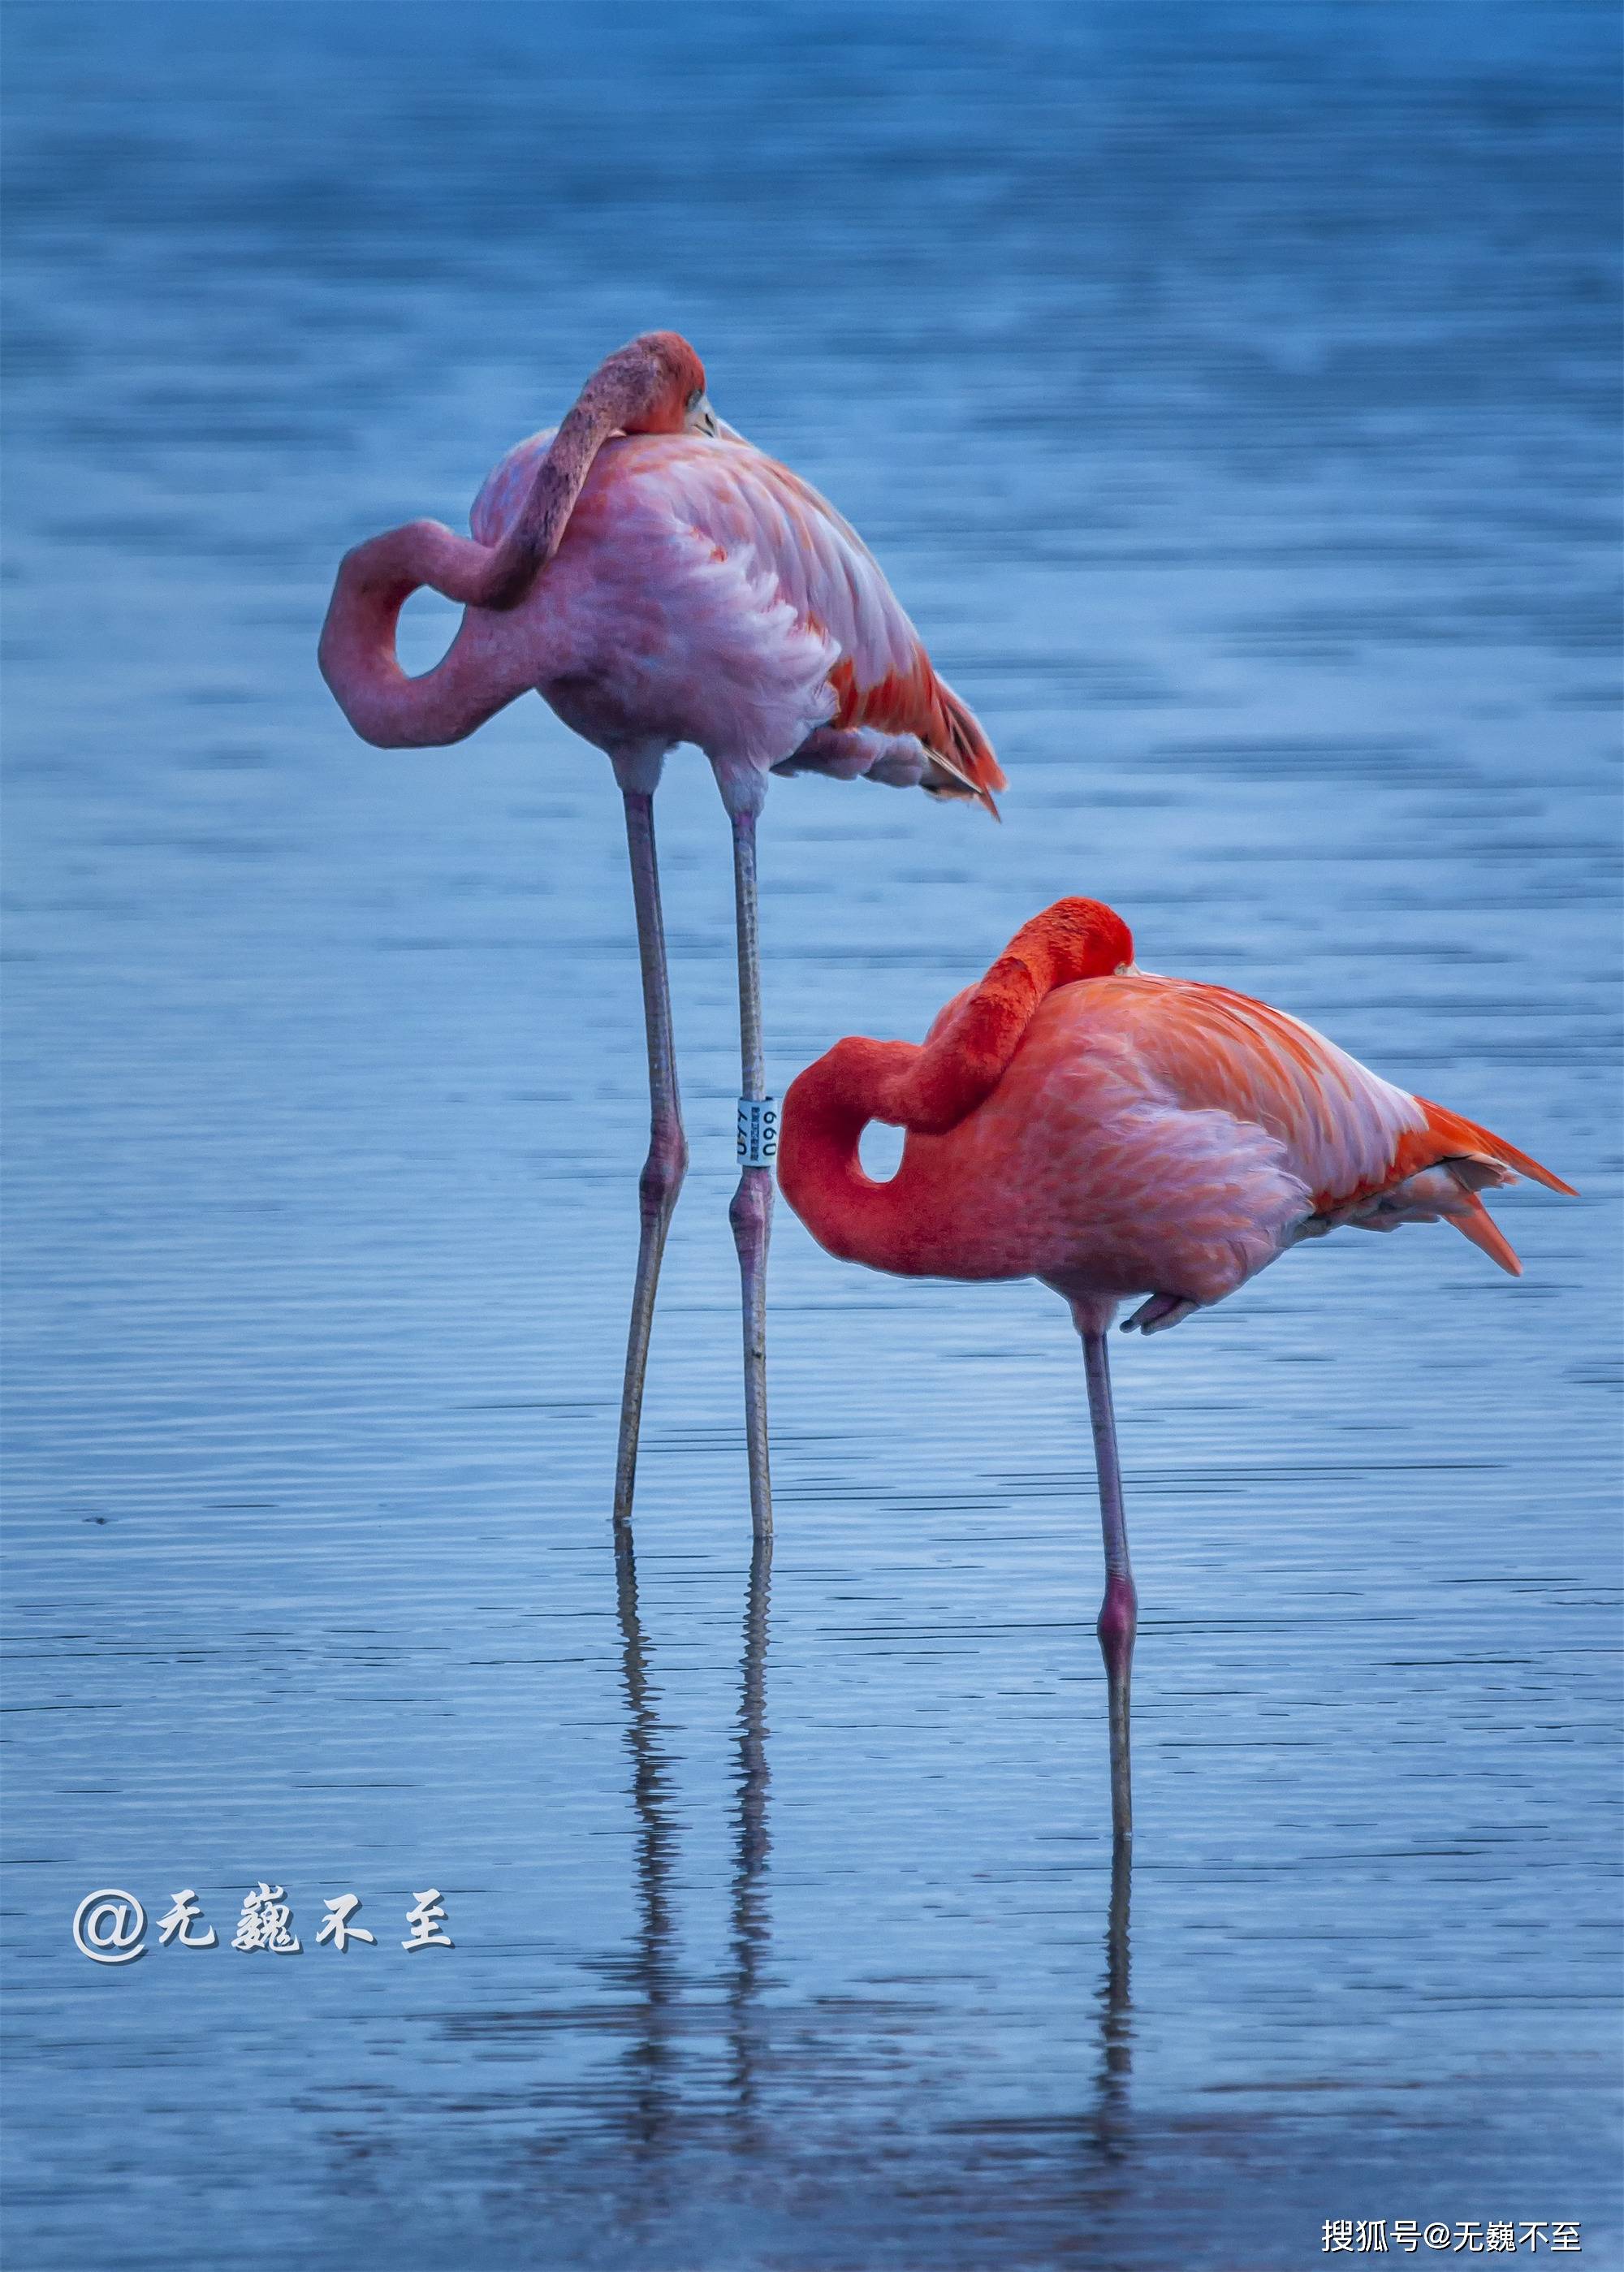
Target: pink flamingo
658 580
1076 1119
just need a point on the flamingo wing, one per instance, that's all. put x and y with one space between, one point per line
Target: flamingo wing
1369 1153
753 510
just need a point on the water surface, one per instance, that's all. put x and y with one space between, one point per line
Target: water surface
1229 395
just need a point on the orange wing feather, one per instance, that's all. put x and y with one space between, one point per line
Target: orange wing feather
918 702
1454 1137
884 678
1349 1136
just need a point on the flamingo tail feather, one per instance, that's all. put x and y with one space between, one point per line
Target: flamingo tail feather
1473 1221
1465 1137
967 755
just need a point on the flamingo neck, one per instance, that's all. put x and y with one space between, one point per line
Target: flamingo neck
609 402
475 678
820 1171
927 1089
480 674
960 1064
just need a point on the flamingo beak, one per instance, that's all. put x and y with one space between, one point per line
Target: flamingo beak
702 419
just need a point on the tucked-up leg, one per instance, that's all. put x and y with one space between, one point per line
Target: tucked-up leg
1157 1311
752 1211
668 1148
1118 1614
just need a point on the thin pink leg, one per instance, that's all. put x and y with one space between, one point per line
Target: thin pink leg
667 1147
1118 1616
752 1211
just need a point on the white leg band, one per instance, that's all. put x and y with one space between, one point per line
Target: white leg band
758 1131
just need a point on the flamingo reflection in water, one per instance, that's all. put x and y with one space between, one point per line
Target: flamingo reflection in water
656 1964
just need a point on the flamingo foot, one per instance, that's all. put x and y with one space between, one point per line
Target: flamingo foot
1161 1311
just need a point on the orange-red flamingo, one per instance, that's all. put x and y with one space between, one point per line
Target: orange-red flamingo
657 580
1114 1133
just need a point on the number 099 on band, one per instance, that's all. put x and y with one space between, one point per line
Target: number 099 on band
758 1131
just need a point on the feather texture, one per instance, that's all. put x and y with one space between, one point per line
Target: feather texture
1111 1131
675 506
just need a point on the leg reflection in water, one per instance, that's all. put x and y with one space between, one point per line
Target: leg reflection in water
653 1969
751 1927
1116 2065
654 2117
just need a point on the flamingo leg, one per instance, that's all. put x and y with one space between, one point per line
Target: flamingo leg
667 1147
1118 1614
750 1213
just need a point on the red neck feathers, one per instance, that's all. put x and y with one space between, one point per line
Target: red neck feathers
927 1089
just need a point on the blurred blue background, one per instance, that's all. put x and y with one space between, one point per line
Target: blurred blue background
1229 393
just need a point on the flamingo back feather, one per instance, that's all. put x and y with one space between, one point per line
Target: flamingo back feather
748 509
1365 1150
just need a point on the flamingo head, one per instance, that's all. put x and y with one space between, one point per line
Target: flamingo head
658 383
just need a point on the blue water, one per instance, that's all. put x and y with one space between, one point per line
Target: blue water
1229 393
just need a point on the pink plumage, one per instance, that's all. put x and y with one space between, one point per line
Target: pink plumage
1142 1134
657 580
703 591
1073 1118
696 590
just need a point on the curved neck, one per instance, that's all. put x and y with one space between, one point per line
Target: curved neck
927 1089
963 1063
479 676
820 1172
608 400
